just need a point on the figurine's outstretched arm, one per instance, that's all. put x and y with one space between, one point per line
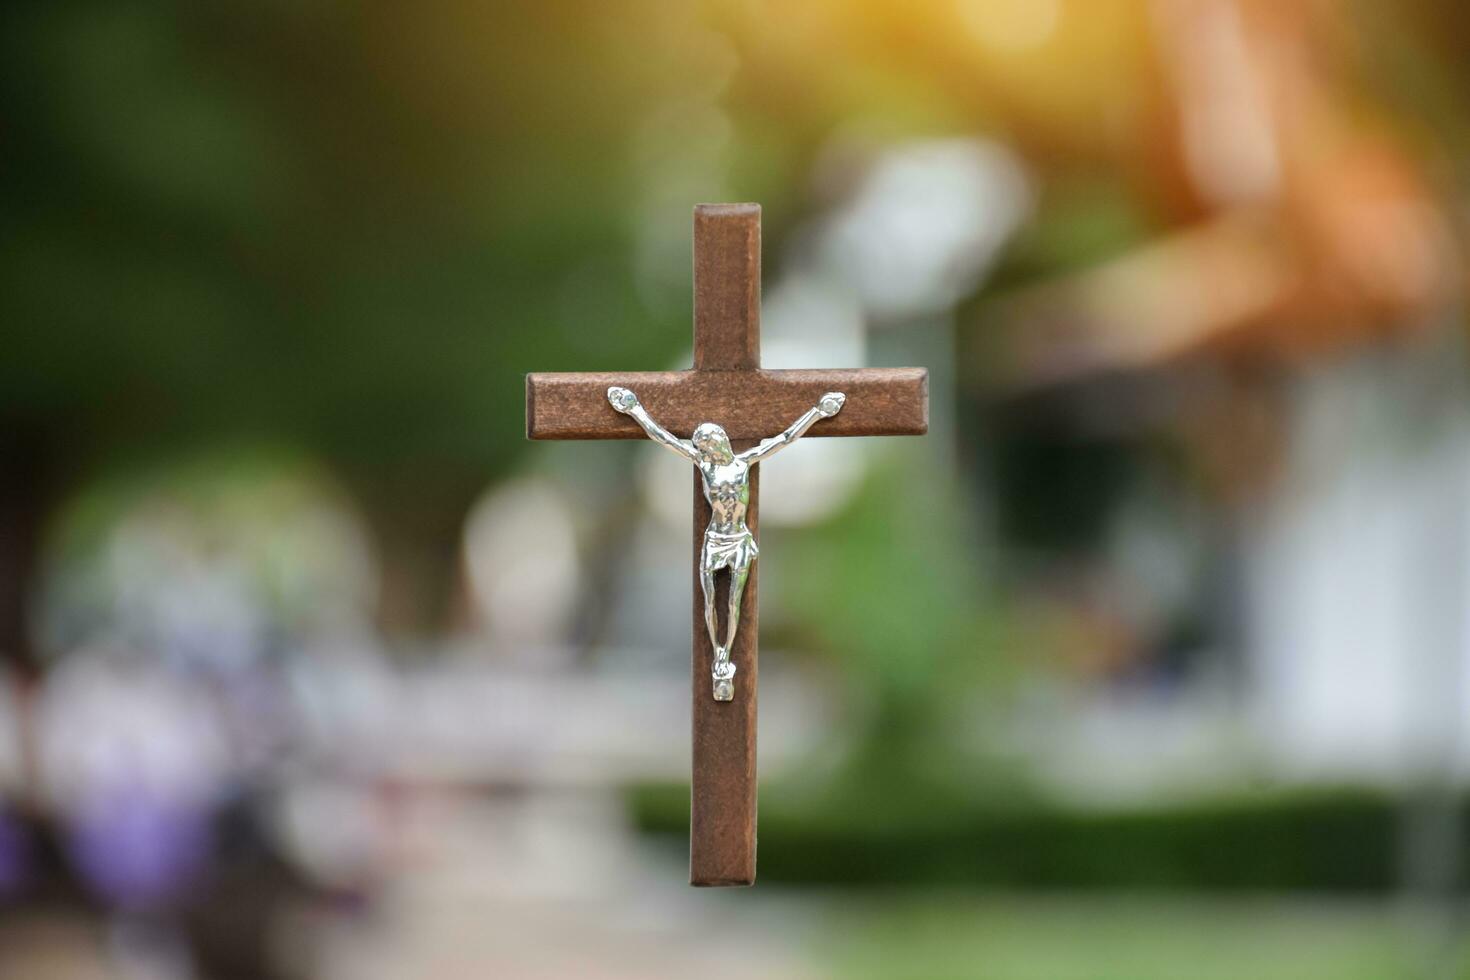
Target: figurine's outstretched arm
829 405
626 402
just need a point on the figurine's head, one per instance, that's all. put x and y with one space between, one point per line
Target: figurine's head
712 444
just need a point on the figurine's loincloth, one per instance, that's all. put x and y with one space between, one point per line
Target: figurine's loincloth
723 550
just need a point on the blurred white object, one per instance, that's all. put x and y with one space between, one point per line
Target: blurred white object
925 224
205 571
809 323
107 719
1358 605
521 551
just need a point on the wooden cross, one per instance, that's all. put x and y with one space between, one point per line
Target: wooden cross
727 386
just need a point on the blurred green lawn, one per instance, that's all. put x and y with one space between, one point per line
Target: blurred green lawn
1104 936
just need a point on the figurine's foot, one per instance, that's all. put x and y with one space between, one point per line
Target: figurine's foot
724 678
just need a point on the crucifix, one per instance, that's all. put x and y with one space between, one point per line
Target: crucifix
726 416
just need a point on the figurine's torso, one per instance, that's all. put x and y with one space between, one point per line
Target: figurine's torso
727 488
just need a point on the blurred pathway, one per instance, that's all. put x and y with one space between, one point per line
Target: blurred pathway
546 885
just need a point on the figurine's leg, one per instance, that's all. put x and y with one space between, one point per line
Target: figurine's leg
737 588
711 621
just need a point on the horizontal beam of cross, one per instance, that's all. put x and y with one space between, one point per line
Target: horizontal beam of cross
748 404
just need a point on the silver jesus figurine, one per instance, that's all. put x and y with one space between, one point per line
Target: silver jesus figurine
728 542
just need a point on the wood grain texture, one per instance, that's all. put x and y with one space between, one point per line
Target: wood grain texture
727 338
722 787
750 405
727 287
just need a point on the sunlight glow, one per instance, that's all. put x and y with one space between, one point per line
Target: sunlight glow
1011 25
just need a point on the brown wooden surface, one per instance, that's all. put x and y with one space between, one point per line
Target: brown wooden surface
722 786
750 405
726 386
727 339
727 287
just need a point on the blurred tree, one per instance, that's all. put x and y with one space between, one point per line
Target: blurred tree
344 226
907 612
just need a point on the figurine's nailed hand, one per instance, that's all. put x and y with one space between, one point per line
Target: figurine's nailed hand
831 403
622 399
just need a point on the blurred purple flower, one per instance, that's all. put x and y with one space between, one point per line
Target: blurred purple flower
135 849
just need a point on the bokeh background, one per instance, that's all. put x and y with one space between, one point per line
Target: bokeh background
1148 662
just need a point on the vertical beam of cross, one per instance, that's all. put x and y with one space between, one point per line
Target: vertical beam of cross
722 790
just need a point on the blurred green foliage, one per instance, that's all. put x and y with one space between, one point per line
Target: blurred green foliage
908 618
283 219
1316 841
